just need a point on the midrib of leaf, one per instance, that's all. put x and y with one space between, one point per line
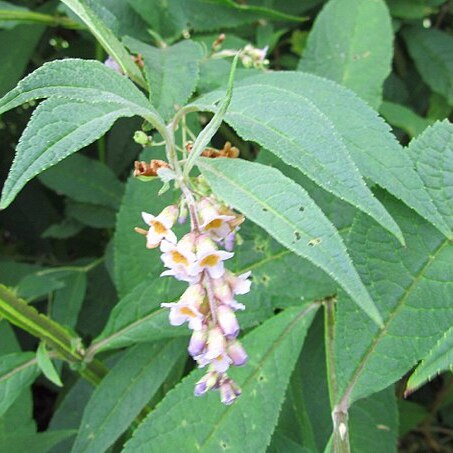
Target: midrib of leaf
131 384
344 400
302 314
18 369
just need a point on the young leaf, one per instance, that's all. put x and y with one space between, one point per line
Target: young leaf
34 286
124 392
432 156
107 39
18 370
280 114
58 128
171 72
286 212
366 137
411 285
204 137
439 359
85 180
46 366
432 51
351 42
246 425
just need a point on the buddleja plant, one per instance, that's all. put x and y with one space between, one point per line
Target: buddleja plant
329 244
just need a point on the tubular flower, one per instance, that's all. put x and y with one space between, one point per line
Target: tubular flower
208 305
160 226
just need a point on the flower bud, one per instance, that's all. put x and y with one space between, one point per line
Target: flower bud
228 321
206 383
197 342
141 138
216 343
229 391
237 353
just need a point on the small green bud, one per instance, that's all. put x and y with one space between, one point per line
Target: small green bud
141 138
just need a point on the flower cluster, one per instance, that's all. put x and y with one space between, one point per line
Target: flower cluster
208 305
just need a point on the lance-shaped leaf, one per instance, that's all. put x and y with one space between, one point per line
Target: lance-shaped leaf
432 51
439 359
366 136
38 442
351 42
286 212
432 156
58 128
246 425
171 72
289 124
84 80
124 392
106 37
17 371
412 286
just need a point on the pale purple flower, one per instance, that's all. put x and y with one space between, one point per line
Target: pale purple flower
214 223
113 64
207 382
237 353
224 294
230 241
239 284
229 391
187 309
198 342
227 321
160 226
211 259
180 259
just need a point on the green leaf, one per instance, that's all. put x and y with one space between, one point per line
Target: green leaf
351 42
67 301
46 366
82 80
374 422
432 157
57 129
107 39
93 215
85 180
286 212
34 286
412 287
410 414
406 119
432 51
7 8
15 53
18 370
171 72
439 358
246 425
409 9
63 230
366 137
37 443
171 18
124 392
280 112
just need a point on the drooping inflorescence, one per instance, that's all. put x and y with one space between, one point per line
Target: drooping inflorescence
208 304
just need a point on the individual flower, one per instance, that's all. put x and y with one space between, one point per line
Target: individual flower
237 353
181 259
187 309
198 342
214 223
113 64
239 284
227 321
225 295
160 226
229 391
206 383
209 258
